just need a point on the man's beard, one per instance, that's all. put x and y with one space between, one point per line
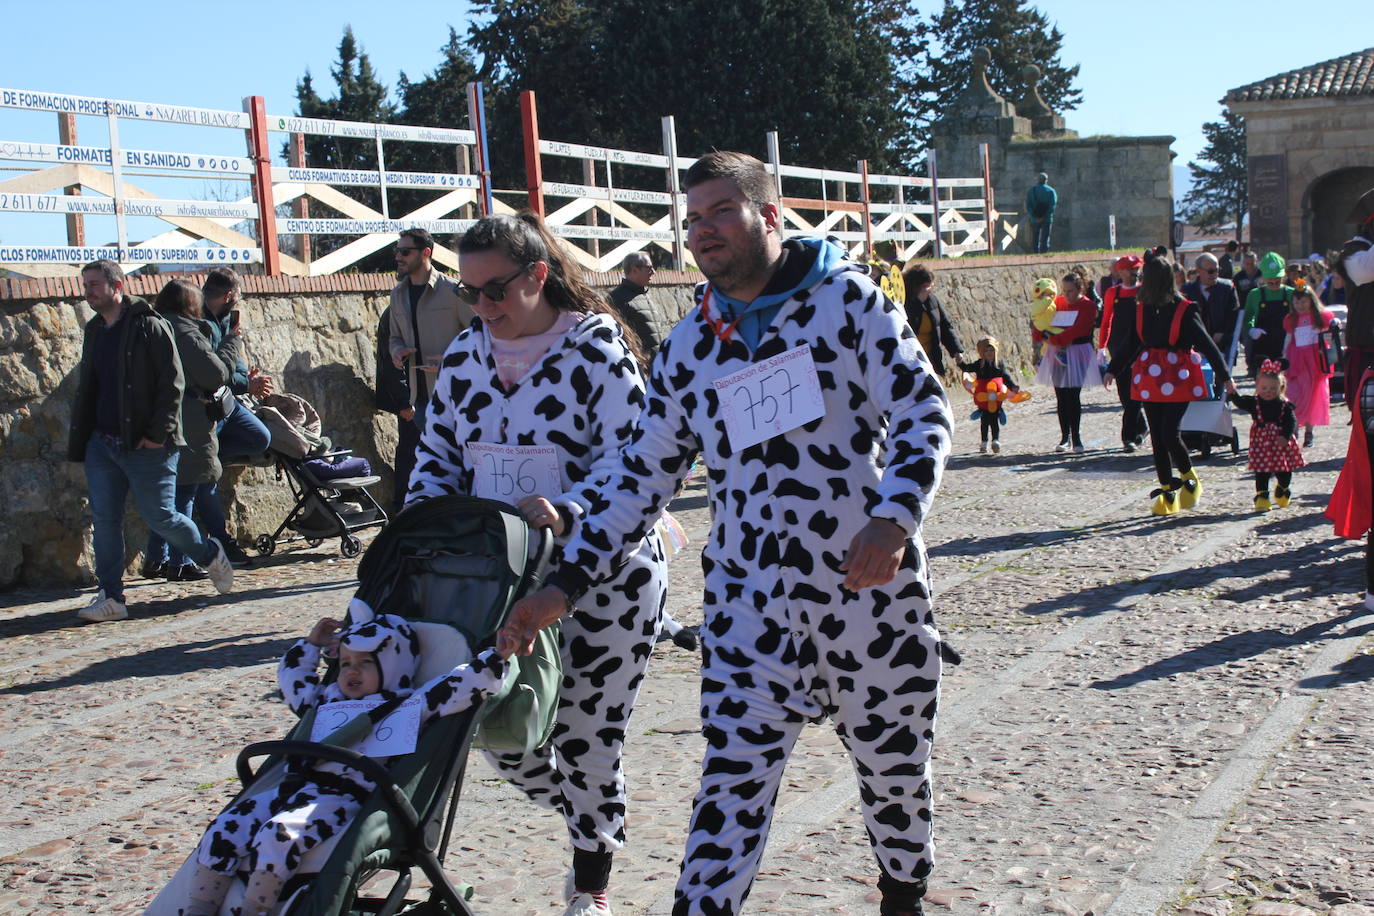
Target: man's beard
746 267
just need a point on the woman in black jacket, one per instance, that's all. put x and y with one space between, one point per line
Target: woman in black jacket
928 319
1160 342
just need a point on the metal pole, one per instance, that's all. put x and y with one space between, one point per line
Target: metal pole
935 201
534 172
76 223
991 228
674 189
117 174
477 123
300 207
381 171
261 154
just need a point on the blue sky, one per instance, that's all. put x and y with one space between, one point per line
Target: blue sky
210 55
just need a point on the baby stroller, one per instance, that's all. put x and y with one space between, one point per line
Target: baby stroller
327 504
453 566
1209 426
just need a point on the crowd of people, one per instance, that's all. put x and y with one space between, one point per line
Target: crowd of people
816 596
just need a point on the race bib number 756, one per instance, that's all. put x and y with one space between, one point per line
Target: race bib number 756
512 472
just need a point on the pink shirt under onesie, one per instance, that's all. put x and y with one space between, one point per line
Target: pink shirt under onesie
515 358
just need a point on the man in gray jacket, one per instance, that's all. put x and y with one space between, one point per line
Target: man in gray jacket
126 429
426 314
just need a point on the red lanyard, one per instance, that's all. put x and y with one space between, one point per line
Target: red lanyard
722 330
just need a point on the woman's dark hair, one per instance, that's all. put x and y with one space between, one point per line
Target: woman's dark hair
180 297
1075 279
919 273
1157 282
525 240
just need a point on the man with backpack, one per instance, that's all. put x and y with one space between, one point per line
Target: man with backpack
1041 201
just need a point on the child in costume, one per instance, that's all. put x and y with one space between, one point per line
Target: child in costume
991 385
1273 437
269 832
1265 309
1308 371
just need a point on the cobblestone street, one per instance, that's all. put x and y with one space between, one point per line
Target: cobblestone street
1153 715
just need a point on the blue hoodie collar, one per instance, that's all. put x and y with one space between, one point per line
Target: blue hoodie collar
753 318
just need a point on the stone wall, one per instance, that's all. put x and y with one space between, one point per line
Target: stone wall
316 336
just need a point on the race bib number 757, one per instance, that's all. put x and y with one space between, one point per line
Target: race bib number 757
770 398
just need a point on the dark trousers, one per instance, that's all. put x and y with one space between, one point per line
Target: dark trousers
1166 442
1364 413
407 441
1132 417
1068 404
989 426
1284 480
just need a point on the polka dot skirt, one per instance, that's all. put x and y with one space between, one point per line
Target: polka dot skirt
1272 451
1166 375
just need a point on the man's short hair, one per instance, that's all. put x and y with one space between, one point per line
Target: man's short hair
636 259
1042 177
114 274
419 238
740 169
221 281
1249 253
1205 258
1232 246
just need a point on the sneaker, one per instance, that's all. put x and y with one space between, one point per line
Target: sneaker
584 903
982 448
996 447
103 609
237 558
1078 448
1308 438
220 571
685 639
153 570
1128 446
1063 446
187 572
1262 501
1281 497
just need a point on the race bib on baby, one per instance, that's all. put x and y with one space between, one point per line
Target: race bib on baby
396 734
511 472
770 398
1305 335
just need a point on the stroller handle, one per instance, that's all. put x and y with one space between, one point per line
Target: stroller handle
543 558
391 794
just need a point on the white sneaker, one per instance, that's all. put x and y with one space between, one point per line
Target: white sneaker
1078 449
996 446
221 570
1063 446
983 448
103 609
585 904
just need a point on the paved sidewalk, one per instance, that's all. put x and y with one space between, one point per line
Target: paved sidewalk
1154 715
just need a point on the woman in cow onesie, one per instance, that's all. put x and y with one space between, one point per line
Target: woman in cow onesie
824 433
268 833
530 406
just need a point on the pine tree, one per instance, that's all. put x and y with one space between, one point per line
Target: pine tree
934 60
1220 193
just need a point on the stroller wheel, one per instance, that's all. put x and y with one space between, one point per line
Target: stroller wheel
350 546
313 542
265 545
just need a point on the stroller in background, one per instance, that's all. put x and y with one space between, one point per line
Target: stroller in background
1199 427
325 507
450 565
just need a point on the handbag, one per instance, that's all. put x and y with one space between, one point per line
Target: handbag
220 403
1330 352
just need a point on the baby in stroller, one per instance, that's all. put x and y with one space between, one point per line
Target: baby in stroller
269 832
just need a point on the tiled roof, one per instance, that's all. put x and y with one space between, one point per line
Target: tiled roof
1349 75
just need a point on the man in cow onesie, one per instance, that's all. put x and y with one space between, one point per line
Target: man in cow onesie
824 434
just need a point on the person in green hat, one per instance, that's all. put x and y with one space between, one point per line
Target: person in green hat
1265 308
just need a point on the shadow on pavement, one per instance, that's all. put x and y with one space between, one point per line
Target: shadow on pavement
1235 646
209 655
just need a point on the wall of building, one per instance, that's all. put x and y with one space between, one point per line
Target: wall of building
317 337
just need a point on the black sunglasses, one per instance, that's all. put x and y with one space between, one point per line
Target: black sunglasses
495 290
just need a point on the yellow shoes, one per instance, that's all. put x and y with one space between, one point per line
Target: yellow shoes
1281 497
1262 501
1165 502
1191 489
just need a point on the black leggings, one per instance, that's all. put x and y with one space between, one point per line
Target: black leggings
1284 479
1363 401
990 426
1165 440
1132 419
1068 404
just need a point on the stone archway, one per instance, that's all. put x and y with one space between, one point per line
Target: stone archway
1327 202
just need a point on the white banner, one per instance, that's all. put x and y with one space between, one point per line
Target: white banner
365 131
369 226
143 111
579 151
105 206
800 171
63 254
374 179
614 233
560 189
130 158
